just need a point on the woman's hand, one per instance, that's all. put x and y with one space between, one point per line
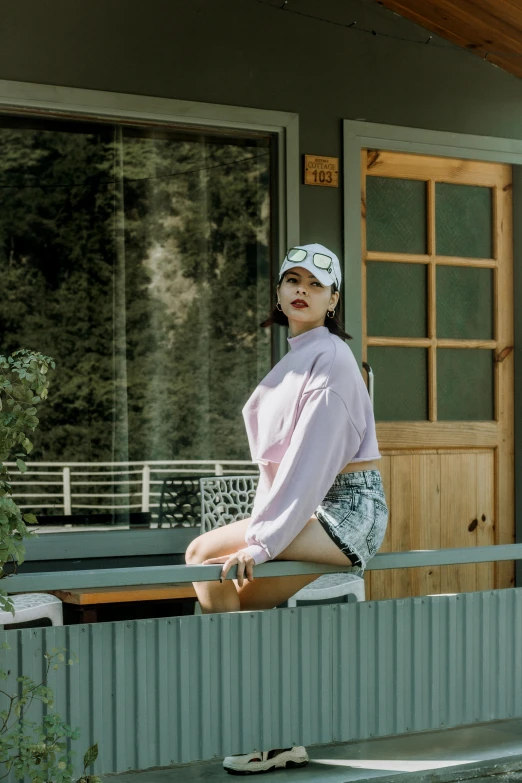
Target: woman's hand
245 565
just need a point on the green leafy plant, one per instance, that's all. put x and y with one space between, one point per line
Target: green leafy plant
38 749
24 383
33 748
90 756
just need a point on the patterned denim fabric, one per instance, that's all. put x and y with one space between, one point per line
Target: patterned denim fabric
354 514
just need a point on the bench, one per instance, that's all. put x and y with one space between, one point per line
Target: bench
86 601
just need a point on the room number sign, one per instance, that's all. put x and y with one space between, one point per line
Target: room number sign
319 170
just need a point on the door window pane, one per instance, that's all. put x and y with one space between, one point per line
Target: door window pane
465 383
139 259
401 383
463 220
396 215
464 303
396 299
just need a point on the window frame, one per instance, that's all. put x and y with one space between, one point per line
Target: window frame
66 103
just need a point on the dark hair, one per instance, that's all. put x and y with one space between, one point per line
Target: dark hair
334 325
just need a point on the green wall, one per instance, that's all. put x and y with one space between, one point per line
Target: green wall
243 52
246 53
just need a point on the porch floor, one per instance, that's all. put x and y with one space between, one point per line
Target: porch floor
474 752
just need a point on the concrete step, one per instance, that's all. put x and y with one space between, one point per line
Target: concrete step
470 753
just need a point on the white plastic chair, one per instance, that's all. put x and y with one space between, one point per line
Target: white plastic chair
226 499
33 606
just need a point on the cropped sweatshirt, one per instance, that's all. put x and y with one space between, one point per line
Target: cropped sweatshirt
308 418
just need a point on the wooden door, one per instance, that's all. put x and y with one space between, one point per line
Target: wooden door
438 334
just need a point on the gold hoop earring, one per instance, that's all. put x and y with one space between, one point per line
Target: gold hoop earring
278 306
332 315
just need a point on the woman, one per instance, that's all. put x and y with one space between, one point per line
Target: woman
311 429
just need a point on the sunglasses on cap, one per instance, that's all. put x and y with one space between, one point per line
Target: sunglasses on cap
296 255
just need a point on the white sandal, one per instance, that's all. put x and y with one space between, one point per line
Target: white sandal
266 760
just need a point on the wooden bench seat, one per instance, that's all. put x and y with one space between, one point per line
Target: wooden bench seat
87 599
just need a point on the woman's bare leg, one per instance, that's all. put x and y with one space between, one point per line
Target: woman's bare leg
214 596
312 544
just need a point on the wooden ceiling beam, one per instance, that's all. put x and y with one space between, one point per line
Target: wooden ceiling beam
479 26
511 12
478 20
496 13
411 11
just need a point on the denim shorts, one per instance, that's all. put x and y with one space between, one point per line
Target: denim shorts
354 514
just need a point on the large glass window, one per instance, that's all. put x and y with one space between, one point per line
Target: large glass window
139 259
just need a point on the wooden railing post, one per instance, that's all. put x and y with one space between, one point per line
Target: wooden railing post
145 488
67 491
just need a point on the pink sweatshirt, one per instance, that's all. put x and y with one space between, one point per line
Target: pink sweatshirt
308 418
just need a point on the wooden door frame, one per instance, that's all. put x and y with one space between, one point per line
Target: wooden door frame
359 135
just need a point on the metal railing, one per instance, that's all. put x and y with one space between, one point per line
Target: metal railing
81 487
183 574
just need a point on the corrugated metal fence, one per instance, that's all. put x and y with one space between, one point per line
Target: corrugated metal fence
170 690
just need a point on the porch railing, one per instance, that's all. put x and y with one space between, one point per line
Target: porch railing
81 487
179 574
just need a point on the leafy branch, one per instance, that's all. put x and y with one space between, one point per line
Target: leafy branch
24 384
38 749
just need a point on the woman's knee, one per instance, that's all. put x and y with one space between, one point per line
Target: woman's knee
197 551
217 542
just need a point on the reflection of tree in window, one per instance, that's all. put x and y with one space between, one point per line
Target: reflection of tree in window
195 218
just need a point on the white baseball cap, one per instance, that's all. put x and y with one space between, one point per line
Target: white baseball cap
317 259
